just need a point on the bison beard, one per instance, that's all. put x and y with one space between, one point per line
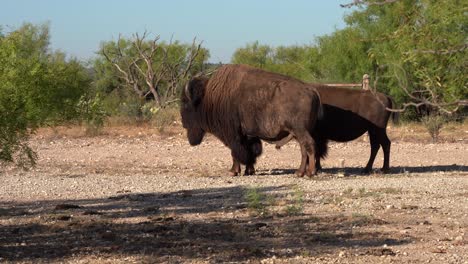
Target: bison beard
241 105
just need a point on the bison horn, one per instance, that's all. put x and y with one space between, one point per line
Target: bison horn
187 91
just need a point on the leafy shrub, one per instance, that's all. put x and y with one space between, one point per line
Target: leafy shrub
164 117
37 87
297 206
14 132
257 202
433 124
93 113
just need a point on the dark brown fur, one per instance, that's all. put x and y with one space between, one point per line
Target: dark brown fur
241 105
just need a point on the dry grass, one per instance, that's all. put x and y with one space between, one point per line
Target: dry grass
170 125
113 130
450 132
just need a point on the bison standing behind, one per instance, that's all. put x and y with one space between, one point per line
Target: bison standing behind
347 115
241 105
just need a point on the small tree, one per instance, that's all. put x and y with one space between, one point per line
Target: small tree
419 50
433 124
151 68
37 87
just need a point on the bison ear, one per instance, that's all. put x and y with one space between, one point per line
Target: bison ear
197 90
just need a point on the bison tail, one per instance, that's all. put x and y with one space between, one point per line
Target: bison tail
320 112
320 107
322 148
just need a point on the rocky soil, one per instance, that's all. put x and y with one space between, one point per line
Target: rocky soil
140 197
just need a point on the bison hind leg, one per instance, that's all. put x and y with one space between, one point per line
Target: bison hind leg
308 153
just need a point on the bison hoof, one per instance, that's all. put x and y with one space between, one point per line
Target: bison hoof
299 173
249 172
311 174
233 173
385 170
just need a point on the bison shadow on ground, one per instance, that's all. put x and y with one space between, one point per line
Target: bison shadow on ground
211 223
350 171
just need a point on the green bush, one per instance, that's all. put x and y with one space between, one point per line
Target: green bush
92 113
14 131
37 87
164 117
433 123
297 204
256 201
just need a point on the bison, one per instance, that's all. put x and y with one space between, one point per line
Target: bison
242 105
348 114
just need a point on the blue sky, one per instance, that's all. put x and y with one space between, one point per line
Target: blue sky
78 27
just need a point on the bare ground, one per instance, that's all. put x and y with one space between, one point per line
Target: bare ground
134 196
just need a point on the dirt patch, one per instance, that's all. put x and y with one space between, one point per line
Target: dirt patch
134 196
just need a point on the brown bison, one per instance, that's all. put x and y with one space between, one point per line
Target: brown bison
348 114
241 105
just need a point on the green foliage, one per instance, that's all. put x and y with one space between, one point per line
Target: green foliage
257 202
297 206
420 44
253 54
37 87
413 49
14 133
93 113
164 117
69 80
296 61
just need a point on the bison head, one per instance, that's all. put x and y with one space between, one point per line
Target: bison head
190 111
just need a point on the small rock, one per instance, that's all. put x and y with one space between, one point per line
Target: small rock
389 207
458 241
425 222
439 250
108 235
259 225
63 217
342 254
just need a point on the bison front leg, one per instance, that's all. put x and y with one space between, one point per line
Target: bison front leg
255 149
249 169
236 168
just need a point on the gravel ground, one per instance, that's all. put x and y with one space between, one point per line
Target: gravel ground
149 198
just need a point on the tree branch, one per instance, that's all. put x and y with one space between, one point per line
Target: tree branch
418 101
453 50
